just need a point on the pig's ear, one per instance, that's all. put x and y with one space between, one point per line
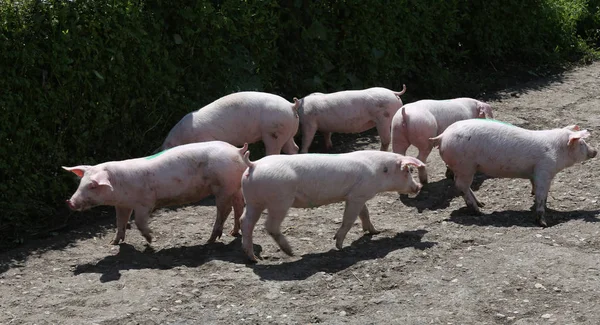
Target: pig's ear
573 137
410 161
77 170
101 179
573 127
485 110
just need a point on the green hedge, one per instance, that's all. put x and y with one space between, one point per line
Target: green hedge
96 80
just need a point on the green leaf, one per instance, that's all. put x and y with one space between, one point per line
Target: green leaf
98 74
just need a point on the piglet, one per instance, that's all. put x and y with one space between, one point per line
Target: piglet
350 111
277 183
416 122
180 175
238 118
502 150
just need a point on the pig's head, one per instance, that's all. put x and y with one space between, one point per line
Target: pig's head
94 188
579 150
484 110
402 178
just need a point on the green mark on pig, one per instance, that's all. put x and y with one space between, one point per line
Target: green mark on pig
497 121
156 154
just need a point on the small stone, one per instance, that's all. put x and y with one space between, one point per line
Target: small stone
510 318
269 317
454 280
538 235
500 315
556 289
178 301
154 309
539 286
342 313
546 316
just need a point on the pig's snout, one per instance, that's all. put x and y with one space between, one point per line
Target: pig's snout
71 205
417 188
592 153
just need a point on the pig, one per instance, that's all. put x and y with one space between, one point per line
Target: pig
502 150
350 111
277 183
180 175
238 118
416 122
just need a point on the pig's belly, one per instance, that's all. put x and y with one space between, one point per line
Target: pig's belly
506 170
183 197
305 201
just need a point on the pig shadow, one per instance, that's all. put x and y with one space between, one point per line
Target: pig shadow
342 142
129 258
335 260
438 195
523 218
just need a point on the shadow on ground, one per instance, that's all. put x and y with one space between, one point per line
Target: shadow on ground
438 195
523 218
88 224
335 260
129 258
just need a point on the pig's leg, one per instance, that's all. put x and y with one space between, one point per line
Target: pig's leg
463 182
248 221
308 134
365 220
224 206
141 221
351 212
532 186
273 226
328 143
400 145
290 147
272 146
423 154
123 215
542 186
238 209
384 129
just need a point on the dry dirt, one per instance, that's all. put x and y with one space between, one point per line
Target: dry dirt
433 263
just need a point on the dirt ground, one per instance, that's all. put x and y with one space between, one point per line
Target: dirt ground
433 263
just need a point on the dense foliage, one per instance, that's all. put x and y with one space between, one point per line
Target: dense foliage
96 80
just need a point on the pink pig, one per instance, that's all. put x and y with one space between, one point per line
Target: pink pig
238 118
184 174
424 119
350 111
502 150
277 183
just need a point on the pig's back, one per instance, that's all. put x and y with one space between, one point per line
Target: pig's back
350 111
315 179
241 117
447 112
495 148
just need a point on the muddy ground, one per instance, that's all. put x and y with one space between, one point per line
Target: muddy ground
433 263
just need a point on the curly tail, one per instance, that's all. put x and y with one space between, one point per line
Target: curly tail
436 142
399 93
243 149
247 160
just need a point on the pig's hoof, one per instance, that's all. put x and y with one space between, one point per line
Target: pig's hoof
235 233
480 204
449 173
542 221
148 238
372 231
115 241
